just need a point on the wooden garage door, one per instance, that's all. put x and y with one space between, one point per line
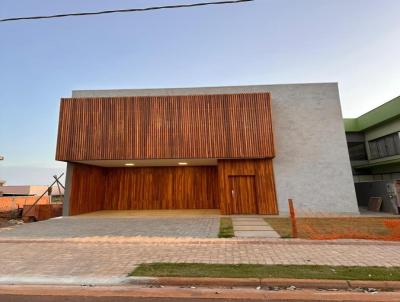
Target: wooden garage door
96 188
147 188
243 194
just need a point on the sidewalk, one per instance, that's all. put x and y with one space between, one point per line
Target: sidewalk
109 260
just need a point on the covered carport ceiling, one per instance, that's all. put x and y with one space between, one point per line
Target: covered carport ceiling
151 162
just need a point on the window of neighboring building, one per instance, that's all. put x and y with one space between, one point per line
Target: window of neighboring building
388 145
373 149
357 151
397 143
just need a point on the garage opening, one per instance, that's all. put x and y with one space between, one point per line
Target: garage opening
233 186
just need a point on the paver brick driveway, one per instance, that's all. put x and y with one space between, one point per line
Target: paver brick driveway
82 250
72 227
79 261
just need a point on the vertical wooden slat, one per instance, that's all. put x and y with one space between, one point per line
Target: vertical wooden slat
262 170
87 189
96 188
204 126
150 188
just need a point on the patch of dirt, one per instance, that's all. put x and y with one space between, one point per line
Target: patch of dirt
4 223
7 222
327 228
372 229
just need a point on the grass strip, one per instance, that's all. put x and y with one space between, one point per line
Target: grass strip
267 271
225 228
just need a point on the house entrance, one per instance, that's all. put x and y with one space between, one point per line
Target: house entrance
243 194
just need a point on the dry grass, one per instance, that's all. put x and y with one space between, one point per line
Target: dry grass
326 228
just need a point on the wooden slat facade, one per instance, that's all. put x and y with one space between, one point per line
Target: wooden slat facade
161 188
87 189
201 187
263 173
201 126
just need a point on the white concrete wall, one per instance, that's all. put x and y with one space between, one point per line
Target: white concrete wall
312 165
68 187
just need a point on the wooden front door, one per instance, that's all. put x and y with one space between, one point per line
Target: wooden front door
243 194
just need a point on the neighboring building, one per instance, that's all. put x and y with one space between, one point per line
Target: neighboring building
240 149
374 147
30 190
14 198
22 190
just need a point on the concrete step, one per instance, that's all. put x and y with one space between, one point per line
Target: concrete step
248 223
253 228
248 219
250 227
258 234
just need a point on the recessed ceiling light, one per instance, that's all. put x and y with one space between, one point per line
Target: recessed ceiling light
182 164
129 164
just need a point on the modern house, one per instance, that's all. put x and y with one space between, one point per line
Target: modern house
374 147
240 149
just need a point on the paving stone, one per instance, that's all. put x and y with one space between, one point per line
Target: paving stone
91 255
113 259
247 218
67 227
253 228
248 223
250 234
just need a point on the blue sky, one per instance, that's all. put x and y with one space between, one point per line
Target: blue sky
353 42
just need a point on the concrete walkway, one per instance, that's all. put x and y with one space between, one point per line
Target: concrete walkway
250 227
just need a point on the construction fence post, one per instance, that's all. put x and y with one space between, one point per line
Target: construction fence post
292 218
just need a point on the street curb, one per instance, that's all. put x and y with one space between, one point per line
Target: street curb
387 285
264 282
306 283
140 293
203 281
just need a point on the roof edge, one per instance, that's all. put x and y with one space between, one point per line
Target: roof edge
376 116
187 90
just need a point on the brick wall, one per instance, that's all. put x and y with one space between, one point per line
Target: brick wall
12 203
